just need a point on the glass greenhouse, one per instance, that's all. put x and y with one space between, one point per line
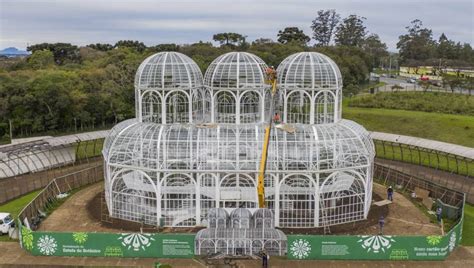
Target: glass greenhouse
191 156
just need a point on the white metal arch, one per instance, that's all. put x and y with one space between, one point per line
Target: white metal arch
310 120
335 115
297 212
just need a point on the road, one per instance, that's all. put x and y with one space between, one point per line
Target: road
402 81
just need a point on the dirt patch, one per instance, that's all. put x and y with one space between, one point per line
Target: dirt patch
97 211
84 211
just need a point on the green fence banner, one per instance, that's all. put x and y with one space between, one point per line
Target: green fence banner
374 247
108 244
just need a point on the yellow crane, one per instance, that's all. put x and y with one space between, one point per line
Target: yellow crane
271 79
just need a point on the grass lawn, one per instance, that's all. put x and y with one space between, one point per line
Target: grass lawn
457 129
15 206
468 227
436 102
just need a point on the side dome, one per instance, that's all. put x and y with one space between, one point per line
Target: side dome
168 89
309 70
236 70
168 70
311 89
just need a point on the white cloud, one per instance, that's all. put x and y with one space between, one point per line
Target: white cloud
87 21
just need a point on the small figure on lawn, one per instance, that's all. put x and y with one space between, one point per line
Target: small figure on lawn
381 224
439 212
390 193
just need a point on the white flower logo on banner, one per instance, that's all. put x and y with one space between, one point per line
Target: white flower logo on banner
47 245
452 241
376 243
136 241
300 248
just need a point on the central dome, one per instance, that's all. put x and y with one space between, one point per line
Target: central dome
236 70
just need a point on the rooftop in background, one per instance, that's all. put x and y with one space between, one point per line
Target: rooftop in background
49 141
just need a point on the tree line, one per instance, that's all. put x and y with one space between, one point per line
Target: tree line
64 87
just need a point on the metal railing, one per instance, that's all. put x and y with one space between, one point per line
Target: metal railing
425 157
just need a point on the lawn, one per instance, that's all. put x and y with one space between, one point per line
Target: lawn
468 227
457 129
14 207
447 103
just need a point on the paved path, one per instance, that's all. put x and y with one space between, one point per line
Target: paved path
402 81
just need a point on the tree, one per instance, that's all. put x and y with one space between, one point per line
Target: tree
292 35
396 87
101 47
376 48
351 31
446 48
417 44
164 47
424 84
453 81
63 52
469 84
41 59
229 39
323 26
136 45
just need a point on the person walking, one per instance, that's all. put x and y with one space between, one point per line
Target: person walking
390 193
381 224
439 212
265 260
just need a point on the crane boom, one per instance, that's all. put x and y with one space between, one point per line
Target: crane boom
266 141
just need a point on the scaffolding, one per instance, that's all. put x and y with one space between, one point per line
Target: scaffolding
182 159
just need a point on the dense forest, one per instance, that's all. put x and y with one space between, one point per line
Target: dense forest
61 87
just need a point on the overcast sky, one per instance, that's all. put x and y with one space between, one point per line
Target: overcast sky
83 22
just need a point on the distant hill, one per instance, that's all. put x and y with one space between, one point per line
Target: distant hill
13 52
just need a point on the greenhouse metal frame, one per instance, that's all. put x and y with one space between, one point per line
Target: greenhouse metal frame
196 144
